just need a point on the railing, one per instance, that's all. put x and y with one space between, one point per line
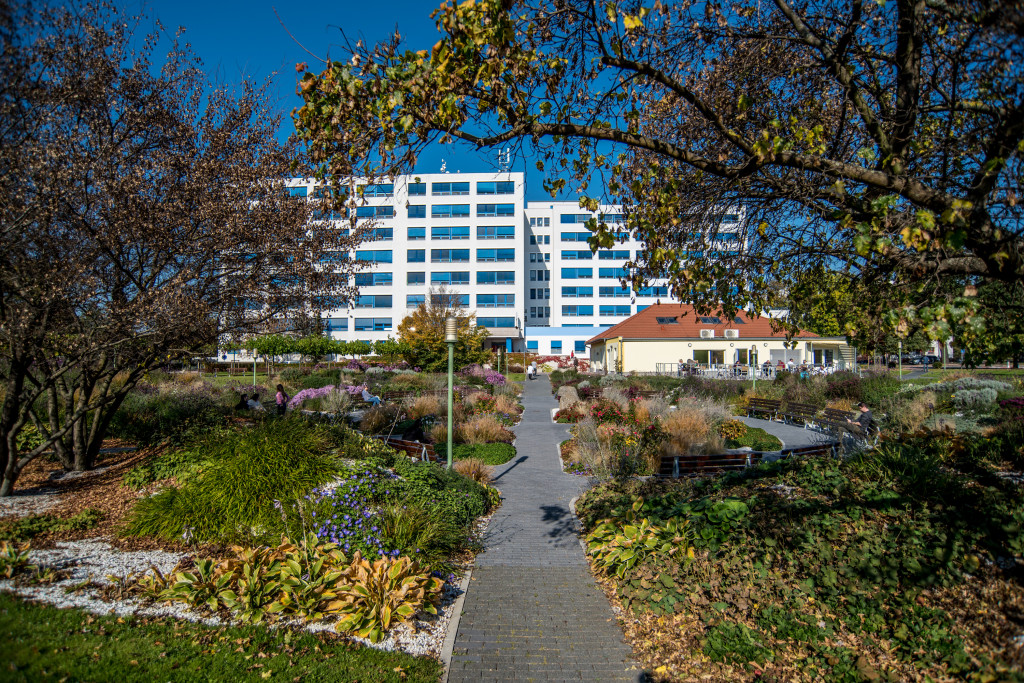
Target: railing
725 371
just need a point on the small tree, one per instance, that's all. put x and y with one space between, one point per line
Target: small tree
423 333
143 216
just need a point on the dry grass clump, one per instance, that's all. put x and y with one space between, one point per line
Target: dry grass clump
649 409
438 433
336 402
840 404
510 389
422 406
685 429
378 419
617 396
912 415
507 404
592 445
713 410
475 469
482 429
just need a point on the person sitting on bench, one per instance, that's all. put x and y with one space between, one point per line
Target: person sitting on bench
865 420
370 398
243 402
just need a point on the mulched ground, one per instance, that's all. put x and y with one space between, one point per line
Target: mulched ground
100 488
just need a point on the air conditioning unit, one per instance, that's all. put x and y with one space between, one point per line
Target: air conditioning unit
707 334
732 334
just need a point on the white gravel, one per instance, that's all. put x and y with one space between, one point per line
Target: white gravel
93 560
23 504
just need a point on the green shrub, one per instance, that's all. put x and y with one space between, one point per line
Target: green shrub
232 499
974 400
177 463
148 418
27 528
876 388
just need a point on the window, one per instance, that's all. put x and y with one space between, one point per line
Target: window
442 189
414 300
577 255
491 323
496 277
375 212
374 255
611 217
415 278
378 190
576 292
730 218
417 211
533 238
495 300
458 277
496 187
416 256
666 320
449 255
575 311
579 346
613 273
300 191
728 236
449 210
531 345
382 234
495 232
614 311
611 254
373 279
710 320
641 307
575 236
653 291
556 346
614 291
495 254
576 273
373 324
544 293
417 189
373 301
540 275
417 233
569 218
547 238
337 324
739 321
334 257
450 300
457 232
495 209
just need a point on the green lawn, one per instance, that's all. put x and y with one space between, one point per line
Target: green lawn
756 438
39 643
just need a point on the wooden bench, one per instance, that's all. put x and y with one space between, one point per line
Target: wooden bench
824 449
763 405
676 466
414 449
835 420
805 413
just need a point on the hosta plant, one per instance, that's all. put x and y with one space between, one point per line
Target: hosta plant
618 548
13 558
383 593
201 587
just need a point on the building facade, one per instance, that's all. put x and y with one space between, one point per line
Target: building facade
524 268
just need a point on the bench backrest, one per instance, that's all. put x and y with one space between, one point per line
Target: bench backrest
802 409
816 449
674 466
415 449
764 402
837 414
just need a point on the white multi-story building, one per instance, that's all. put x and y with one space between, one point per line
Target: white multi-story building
525 269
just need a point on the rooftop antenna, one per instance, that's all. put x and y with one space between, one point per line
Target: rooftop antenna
444 166
505 158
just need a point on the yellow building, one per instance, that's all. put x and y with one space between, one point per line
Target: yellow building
664 336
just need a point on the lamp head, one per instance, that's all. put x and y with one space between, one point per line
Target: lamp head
451 330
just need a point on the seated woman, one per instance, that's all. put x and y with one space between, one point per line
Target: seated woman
370 398
243 402
254 403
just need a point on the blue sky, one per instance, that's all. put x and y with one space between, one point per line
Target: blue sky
239 40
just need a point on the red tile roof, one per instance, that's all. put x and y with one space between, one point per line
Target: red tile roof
645 325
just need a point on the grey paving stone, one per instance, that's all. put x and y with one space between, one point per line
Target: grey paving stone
533 611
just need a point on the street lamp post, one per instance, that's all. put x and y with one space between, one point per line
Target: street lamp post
753 365
451 335
899 357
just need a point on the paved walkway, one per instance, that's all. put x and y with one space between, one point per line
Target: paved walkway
533 611
791 436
